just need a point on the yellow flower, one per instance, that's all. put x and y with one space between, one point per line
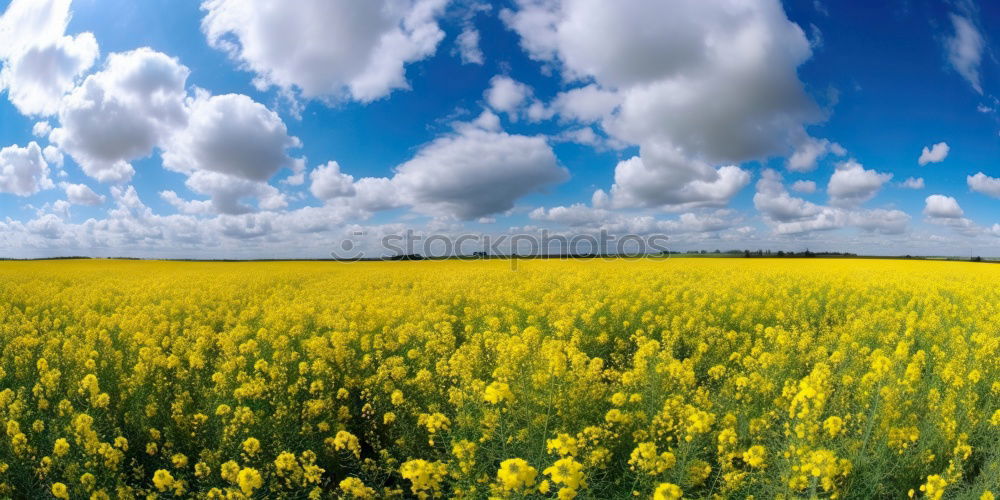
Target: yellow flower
754 456
645 458
249 480
354 487
285 462
833 426
251 446
498 392
179 460
668 491
544 487
59 490
60 448
465 452
515 474
699 471
397 397
935 487
425 477
88 481
434 422
563 445
568 472
202 470
346 441
230 471
163 480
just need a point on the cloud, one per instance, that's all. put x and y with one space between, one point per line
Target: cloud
789 215
186 206
878 221
376 193
965 50
323 49
468 46
712 84
881 221
807 187
53 156
328 182
913 183
852 185
774 202
935 154
944 207
810 150
41 63
41 129
945 211
229 146
671 183
121 113
982 183
23 171
475 172
506 95
591 220
588 137
229 193
81 194
233 135
586 104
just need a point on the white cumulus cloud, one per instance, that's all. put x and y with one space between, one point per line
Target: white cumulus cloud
852 185
934 154
40 62
476 172
982 183
122 113
233 135
940 206
712 84
81 194
810 150
468 46
328 182
807 187
330 49
23 171
507 95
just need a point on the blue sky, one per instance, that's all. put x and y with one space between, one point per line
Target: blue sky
224 129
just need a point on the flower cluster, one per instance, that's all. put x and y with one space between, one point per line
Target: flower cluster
694 378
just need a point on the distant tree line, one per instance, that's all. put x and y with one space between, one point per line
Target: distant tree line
770 253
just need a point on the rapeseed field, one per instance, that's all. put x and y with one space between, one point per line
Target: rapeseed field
691 378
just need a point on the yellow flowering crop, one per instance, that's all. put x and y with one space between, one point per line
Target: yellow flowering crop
693 378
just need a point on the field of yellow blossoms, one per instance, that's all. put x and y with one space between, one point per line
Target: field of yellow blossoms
563 379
